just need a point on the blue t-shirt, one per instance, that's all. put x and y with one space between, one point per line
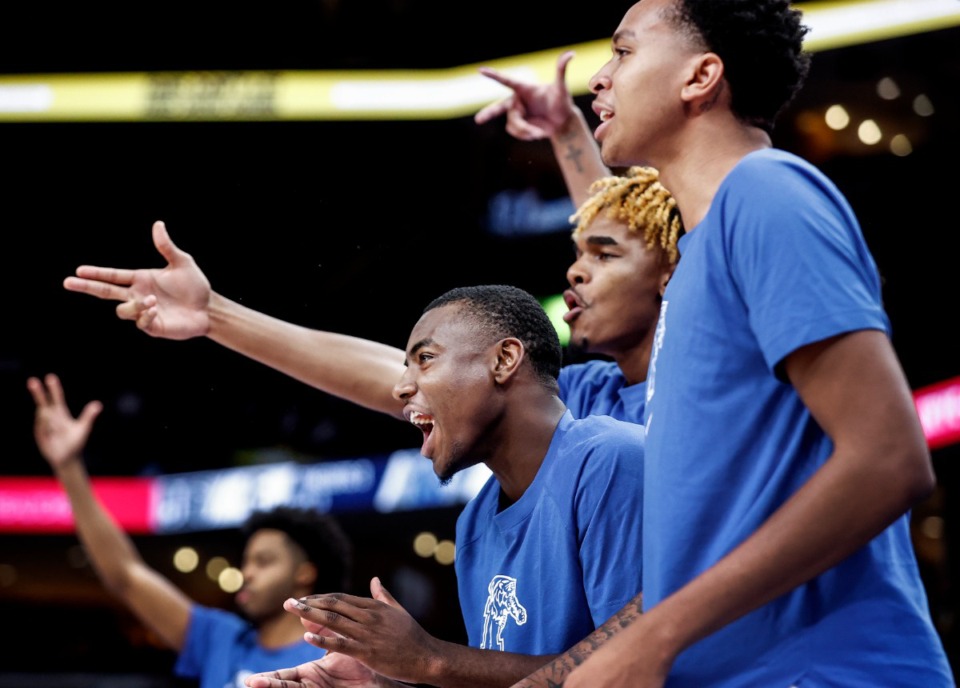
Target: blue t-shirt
598 388
778 262
543 573
221 650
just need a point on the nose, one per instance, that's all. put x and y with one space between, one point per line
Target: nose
576 274
405 388
601 80
246 572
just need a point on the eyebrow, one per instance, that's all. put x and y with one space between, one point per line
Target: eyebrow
601 240
623 33
426 341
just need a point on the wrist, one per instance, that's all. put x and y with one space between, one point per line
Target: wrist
218 310
573 126
437 663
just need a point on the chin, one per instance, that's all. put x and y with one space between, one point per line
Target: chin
579 345
614 156
608 152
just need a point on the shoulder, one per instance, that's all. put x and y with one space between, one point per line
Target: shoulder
602 456
579 379
597 370
765 176
213 621
605 435
775 195
216 615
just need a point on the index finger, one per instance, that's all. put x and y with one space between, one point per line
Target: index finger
54 389
502 78
338 601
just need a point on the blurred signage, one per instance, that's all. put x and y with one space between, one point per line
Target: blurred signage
211 95
211 500
939 409
39 505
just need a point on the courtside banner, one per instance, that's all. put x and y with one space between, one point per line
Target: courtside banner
939 409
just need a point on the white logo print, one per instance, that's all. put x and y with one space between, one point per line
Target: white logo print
657 345
502 603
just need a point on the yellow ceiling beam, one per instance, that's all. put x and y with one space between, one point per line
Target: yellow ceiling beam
388 95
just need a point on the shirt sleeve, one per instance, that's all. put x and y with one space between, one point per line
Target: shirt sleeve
206 625
803 265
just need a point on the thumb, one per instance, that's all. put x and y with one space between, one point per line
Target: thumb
562 63
380 593
163 242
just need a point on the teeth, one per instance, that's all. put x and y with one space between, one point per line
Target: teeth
420 419
605 115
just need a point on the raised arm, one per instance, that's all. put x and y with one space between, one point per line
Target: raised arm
367 630
61 439
177 302
880 467
547 111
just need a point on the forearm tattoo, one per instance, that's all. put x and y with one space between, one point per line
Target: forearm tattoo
574 152
553 675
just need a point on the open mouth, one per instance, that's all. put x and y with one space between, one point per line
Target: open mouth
605 114
425 423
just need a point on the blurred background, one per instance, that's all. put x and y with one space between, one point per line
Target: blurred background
353 222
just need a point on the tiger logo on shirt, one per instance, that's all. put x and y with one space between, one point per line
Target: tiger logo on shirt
502 605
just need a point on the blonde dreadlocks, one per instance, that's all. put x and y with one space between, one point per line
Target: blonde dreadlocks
639 199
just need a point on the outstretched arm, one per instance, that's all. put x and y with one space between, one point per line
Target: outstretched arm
176 302
368 630
880 467
547 111
61 439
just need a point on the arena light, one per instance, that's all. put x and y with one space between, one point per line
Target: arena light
389 95
839 24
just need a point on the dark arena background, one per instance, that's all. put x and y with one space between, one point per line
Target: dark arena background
353 223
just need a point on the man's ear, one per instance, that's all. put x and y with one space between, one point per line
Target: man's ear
306 574
509 355
705 82
665 276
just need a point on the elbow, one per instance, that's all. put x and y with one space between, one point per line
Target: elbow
116 585
925 483
118 581
916 476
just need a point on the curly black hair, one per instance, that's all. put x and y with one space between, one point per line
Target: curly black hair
319 535
761 45
506 311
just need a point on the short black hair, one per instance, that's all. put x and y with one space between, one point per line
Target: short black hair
506 311
318 534
761 45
